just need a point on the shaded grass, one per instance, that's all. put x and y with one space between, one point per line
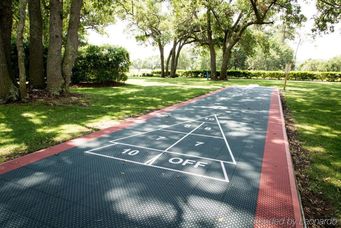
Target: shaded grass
316 108
28 127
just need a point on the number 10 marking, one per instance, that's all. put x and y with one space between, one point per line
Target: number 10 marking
130 152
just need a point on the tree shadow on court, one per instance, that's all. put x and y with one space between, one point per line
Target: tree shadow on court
79 189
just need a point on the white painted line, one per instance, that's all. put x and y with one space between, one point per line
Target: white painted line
227 144
151 161
180 132
224 171
177 153
205 122
184 136
98 148
159 167
142 133
142 147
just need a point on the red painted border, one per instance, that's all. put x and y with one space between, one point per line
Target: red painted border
278 204
44 153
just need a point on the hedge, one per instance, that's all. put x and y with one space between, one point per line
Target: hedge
94 63
101 64
275 75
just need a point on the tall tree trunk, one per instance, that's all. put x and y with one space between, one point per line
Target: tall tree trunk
8 91
6 20
54 58
20 49
173 70
162 58
36 62
213 61
177 57
168 60
225 62
72 43
227 50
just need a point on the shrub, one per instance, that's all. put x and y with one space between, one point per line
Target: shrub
101 64
185 73
193 73
274 75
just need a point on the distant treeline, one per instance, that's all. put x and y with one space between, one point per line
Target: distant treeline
330 65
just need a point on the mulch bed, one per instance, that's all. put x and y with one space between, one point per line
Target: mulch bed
43 96
315 206
97 84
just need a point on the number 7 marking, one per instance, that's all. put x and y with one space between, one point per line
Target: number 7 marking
199 143
160 138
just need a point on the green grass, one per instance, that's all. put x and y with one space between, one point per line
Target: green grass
316 108
28 127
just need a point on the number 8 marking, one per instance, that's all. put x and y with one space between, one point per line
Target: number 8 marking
160 137
199 143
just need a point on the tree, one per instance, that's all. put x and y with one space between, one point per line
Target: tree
329 13
211 45
54 58
330 65
46 20
273 55
245 49
72 43
151 21
233 18
252 13
36 49
97 14
20 49
6 21
8 90
203 31
181 19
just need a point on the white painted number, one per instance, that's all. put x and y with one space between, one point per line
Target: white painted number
130 152
199 143
207 118
208 128
160 138
187 125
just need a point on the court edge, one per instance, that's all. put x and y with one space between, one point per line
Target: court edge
265 186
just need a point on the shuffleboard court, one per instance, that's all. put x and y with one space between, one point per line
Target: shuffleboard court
220 160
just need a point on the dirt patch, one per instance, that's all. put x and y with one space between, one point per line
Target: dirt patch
315 206
44 97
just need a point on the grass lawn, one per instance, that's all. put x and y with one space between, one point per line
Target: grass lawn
316 108
28 127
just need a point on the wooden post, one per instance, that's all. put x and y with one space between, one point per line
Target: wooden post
287 70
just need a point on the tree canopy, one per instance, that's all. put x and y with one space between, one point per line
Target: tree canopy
217 25
329 13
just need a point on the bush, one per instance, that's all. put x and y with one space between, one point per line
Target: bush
101 64
274 75
185 73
